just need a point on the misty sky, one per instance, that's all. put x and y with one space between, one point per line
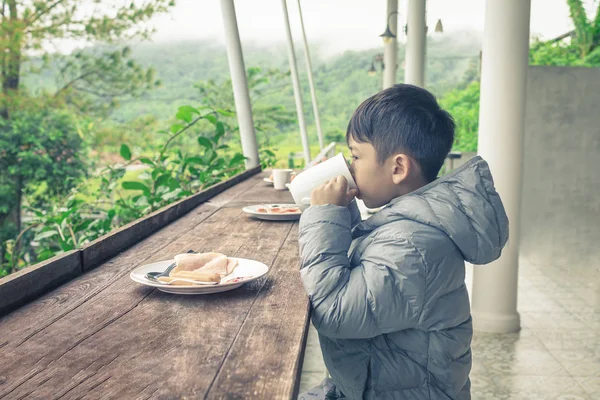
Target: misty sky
340 24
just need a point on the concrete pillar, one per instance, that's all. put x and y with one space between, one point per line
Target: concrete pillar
390 50
415 43
296 84
501 132
311 84
239 82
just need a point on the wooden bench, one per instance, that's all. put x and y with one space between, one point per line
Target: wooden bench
100 335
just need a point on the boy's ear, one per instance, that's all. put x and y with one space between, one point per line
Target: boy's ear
400 168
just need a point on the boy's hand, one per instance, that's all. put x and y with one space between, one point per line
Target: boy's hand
334 192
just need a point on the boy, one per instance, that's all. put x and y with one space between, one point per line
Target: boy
388 294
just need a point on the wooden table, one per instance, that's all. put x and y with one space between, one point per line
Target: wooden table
103 336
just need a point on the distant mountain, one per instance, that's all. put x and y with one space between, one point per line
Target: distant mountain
341 81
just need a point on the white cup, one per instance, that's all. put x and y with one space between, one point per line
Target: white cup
309 179
281 177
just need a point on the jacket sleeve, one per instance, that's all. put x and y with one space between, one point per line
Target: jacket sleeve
383 293
355 217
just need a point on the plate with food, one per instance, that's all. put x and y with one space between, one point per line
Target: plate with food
199 273
274 212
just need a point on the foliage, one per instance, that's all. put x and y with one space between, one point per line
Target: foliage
169 175
94 80
41 156
33 26
553 54
268 117
341 82
463 105
578 48
42 151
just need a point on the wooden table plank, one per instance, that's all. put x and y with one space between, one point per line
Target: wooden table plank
23 286
194 358
105 336
274 332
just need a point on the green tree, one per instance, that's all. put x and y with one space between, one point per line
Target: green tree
583 49
269 116
41 156
587 32
463 105
31 27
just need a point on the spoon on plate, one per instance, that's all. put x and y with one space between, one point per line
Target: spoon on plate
153 276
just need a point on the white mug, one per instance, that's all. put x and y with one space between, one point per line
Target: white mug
309 179
281 177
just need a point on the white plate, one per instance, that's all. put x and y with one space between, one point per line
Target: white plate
247 270
253 211
268 180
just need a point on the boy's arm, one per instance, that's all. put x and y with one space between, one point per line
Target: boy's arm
383 294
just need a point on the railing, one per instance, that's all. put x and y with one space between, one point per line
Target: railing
326 153
22 286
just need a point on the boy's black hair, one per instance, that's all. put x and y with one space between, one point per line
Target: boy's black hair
405 119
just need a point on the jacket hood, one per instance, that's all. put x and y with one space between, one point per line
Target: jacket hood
463 204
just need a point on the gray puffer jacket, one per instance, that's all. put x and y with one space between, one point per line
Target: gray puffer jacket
388 294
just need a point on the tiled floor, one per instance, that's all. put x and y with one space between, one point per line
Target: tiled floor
556 355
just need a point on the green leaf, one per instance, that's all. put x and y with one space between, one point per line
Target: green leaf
186 113
125 152
189 109
222 147
176 128
174 184
209 156
147 161
225 113
211 118
45 235
205 142
220 128
131 185
218 163
236 159
163 180
195 160
184 116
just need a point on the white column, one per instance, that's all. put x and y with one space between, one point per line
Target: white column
501 131
296 84
241 95
390 50
311 84
415 43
